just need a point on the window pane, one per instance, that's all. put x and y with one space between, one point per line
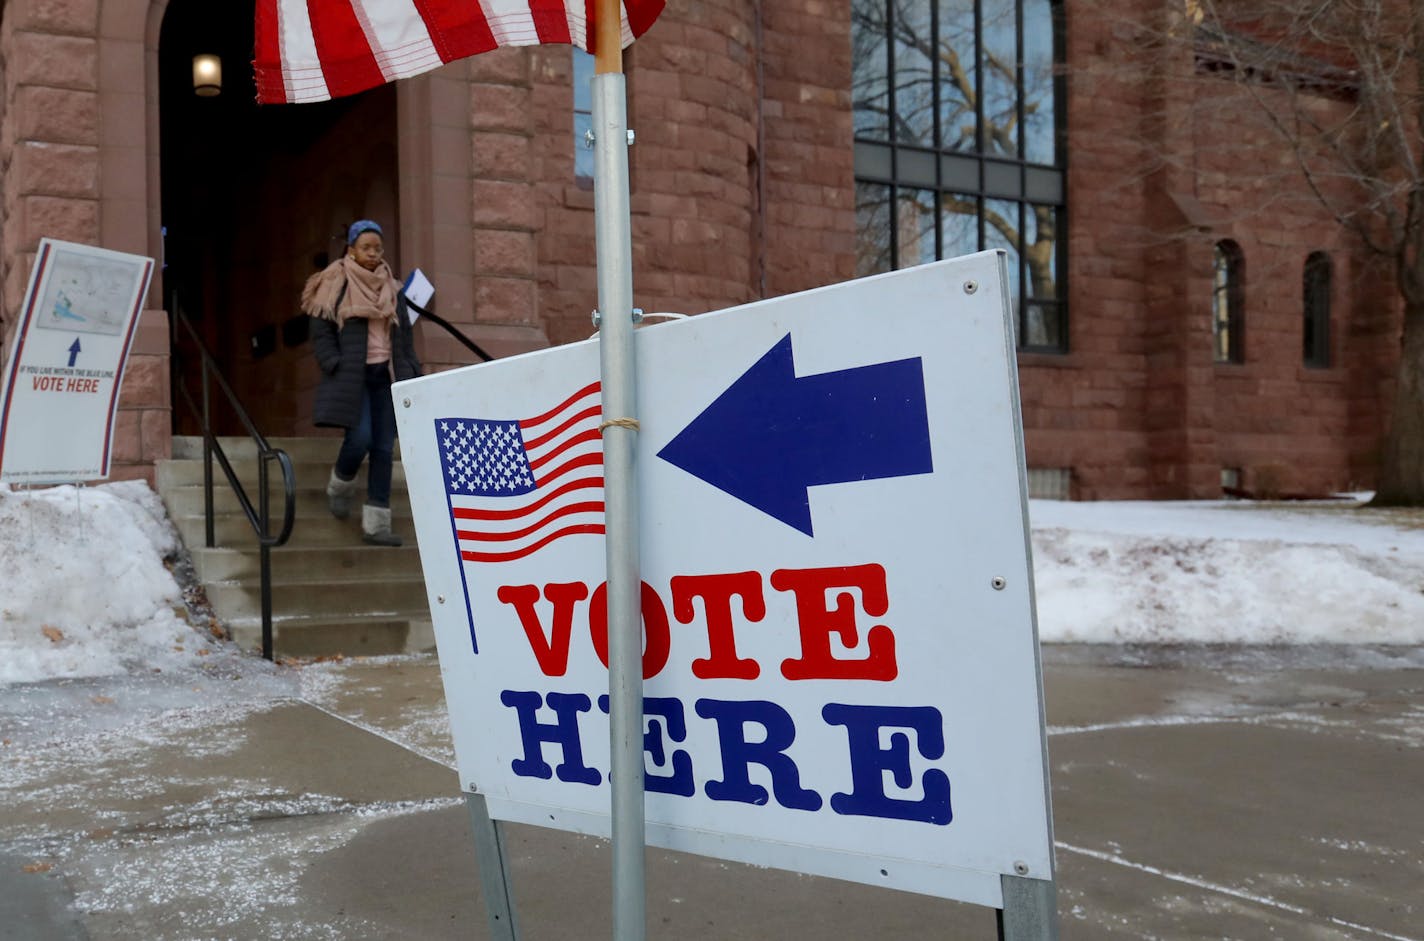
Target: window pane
915 227
958 146
1228 298
914 73
1000 79
1042 328
1041 252
583 115
870 69
959 224
872 229
583 74
583 154
1316 302
958 122
1040 142
1220 306
1001 230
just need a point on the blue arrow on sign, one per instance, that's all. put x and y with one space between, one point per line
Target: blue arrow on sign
73 351
771 435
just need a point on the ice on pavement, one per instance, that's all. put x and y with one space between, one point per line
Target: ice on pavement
99 668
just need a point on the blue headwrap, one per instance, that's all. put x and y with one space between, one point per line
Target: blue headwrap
360 226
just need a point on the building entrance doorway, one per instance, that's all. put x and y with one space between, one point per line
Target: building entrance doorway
253 200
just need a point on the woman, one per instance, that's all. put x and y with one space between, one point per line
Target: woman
362 339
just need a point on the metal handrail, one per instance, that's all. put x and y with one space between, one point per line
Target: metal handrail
259 518
450 329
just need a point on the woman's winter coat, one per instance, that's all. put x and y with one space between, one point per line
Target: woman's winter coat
341 354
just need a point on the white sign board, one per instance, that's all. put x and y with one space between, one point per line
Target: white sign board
841 658
66 363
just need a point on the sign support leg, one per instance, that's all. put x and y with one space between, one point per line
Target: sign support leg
494 872
1030 911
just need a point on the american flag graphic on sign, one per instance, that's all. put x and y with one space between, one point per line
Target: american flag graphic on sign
312 50
515 486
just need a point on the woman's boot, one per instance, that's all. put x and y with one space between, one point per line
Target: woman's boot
376 526
338 495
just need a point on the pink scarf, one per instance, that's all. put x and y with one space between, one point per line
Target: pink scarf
369 294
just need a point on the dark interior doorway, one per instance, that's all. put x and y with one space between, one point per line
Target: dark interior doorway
254 199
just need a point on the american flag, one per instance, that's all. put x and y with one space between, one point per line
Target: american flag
312 50
515 486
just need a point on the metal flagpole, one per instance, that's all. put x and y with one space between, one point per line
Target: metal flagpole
625 628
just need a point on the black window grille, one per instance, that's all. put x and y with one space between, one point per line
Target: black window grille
1316 285
1228 303
958 112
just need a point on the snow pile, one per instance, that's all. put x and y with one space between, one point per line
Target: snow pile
85 591
1226 573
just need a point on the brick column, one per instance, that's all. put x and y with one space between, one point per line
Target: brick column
1181 397
504 199
808 161
74 144
49 153
143 427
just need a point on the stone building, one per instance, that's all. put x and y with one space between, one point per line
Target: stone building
1186 316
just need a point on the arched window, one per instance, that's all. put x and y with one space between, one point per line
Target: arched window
1315 304
1228 302
959 112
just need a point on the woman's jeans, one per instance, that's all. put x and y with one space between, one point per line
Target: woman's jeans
374 434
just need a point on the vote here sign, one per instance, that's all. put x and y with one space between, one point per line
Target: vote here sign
840 658
66 363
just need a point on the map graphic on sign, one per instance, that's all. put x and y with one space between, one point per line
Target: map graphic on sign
86 294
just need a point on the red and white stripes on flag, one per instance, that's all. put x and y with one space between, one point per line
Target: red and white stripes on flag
312 50
514 486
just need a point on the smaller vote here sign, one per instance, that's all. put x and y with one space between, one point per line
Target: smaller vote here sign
840 656
66 363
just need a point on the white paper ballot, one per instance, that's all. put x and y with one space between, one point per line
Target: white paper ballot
418 289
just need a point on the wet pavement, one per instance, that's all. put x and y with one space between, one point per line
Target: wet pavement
1240 793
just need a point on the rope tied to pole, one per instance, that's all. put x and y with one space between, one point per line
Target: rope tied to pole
630 423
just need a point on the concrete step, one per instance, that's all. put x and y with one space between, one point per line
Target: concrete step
189 473
311 500
373 597
331 594
355 635
307 563
313 449
232 530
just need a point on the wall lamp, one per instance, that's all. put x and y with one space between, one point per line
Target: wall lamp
207 75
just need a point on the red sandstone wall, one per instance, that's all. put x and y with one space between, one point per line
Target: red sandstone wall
1086 410
562 212
51 179
1162 164
1286 425
704 160
692 104
742 187
808 161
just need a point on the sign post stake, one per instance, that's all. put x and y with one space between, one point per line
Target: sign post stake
625 634
494 870
1030 911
